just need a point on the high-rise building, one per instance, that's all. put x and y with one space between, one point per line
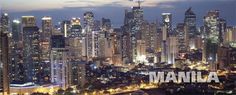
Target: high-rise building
190 29
16 30
212 33
31 54
28 21
45 37
131 34
166 31
76 28
47 27
190 23
59 63
90 36
74 41
167 22
16 68
136 30
4 56
65 27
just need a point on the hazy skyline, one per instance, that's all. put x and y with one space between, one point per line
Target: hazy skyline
114 9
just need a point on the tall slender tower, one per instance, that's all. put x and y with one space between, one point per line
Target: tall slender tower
4 55
166 31
211 27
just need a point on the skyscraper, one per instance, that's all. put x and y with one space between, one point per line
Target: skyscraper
167 23
4 71
190 23
190 29
31 54
4 55
211 26
28 21
47 27
59 63
90 36
166 31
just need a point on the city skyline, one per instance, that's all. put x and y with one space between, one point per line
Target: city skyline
118 47
151 13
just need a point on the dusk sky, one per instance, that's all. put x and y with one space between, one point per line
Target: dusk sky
114 9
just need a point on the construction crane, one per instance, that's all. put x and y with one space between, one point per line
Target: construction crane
138 1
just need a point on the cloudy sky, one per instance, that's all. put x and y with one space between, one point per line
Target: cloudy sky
114 9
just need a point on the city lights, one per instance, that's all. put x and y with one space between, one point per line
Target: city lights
120 47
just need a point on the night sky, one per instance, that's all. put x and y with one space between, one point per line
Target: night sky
114 9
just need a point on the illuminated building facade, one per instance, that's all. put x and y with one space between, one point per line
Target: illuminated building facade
212 41
90 36
31 54
190 22
47 28
17 68
4 56
65 27
59 63
166 31
28 21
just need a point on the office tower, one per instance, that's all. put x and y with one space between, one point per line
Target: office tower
16 30
167 22
65 27
166 31
190 23
76 28
190 29
91 36
136 30
28 21
131 33
4 55
16 67
47 28
75 41
45 37
59 63
31 54
211 26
